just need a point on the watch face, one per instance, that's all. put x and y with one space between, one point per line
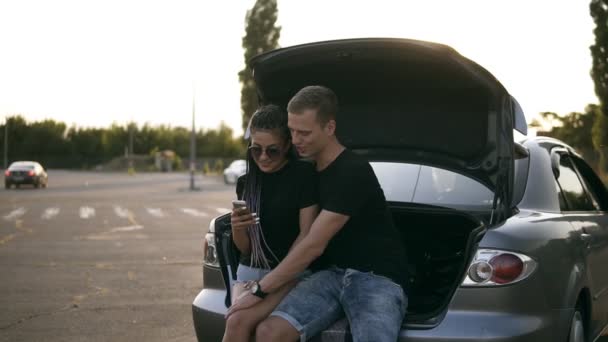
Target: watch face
254 287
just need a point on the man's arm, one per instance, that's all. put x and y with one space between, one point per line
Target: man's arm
307 217
301 254
323 229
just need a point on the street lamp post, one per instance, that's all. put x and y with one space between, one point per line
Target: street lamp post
192 146
5 142
130 149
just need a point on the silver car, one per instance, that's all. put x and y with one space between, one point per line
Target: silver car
236 169
506 240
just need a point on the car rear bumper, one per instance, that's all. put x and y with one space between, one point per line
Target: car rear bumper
21 180
552 325
208 311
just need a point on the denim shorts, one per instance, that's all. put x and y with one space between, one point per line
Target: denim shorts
246 273
374 305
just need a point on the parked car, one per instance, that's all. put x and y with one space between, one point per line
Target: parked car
25 172
236 169
506 240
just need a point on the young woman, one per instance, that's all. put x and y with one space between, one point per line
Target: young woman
281 196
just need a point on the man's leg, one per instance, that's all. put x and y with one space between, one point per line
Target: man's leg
374 305
308 309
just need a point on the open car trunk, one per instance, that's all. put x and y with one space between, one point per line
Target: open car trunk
440 244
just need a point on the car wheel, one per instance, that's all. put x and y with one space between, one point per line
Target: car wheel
7 185
17 186
577 327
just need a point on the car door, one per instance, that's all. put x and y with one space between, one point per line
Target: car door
599 195
582 210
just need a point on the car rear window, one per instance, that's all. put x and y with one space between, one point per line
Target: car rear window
21 167
402 182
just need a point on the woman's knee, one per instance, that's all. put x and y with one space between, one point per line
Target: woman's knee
239 323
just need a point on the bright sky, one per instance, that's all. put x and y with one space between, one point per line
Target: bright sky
95 62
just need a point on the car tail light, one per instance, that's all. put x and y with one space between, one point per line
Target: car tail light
492 267
209 249
507 267
31 173
7 173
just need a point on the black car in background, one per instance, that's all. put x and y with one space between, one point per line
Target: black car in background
25 172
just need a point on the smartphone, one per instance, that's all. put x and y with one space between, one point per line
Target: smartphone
239 204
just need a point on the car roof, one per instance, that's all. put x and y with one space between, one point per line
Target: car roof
24 163
552 142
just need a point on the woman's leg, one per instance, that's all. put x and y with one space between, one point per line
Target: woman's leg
241 325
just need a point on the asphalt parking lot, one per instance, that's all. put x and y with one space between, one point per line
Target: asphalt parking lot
104 257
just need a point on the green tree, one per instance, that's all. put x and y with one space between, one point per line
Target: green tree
86 146
573 129
114 140
46 142
261 35
219 143
599 73
53 145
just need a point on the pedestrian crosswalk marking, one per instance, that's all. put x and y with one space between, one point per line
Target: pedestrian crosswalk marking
121 212
194 212
87 212
49 213
15 214
155 212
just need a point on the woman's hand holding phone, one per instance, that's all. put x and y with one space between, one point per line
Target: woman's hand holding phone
241 218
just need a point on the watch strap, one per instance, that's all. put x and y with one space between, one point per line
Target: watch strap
258 291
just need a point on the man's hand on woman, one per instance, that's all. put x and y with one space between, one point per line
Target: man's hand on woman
244 302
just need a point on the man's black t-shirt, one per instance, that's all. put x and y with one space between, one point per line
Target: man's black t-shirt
284 193
369 241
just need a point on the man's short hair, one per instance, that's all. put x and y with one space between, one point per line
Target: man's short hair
319 98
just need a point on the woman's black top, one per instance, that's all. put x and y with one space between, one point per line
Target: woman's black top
284 193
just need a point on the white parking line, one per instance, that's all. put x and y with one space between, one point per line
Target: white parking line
87 212
121 212
158 212
15 214
126 229
194 212
223 210
49 213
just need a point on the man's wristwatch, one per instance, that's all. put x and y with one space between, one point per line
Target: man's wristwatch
256 290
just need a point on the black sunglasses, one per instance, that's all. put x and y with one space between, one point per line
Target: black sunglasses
272 152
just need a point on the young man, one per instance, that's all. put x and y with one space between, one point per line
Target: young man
363 256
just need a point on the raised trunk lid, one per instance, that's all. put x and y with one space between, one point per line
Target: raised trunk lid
406 100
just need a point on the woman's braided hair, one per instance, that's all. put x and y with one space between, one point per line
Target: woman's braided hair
268 117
